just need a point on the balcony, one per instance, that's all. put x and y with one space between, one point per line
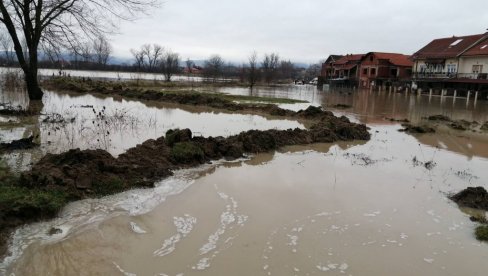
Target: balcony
451 76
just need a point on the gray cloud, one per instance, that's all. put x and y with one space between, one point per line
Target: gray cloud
305 30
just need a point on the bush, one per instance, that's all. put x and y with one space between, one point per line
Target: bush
482 233
187 152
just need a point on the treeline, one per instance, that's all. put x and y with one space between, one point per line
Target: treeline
154 58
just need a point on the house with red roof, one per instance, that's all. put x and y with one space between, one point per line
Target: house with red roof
384 69
453 59
342 70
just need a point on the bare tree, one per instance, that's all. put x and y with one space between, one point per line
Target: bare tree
101 50
287 70
139 58
213 67
270 65
85 51
152 54
170 64
313 71
60 22
253 72
189 67
7 48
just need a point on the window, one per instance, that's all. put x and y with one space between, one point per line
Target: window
439 68
371 58
365 71
394 72
451 68
373 72
423 68
456 42
477 69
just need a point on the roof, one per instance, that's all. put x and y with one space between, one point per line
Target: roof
350 58
333 58
394 58
448 47
479 49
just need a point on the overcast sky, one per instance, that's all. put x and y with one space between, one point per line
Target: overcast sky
300 30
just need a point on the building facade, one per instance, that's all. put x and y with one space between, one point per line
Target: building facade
453 63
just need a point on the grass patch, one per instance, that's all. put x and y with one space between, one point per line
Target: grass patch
31 203
187 152
482 233
109 187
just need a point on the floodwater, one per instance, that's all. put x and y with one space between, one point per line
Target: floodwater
349 208
106 75
115 125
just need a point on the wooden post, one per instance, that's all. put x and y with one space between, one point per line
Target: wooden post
430 92
475 97
454 97
467 98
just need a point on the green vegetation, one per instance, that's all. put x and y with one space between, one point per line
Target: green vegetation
482 233
35 203
187 152
16 200
109 187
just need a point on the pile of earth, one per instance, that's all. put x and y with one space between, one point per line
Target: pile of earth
472 197
24 143
476 198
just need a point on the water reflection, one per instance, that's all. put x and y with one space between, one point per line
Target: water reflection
114 124
372 107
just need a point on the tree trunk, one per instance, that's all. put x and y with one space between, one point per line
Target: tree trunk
33 88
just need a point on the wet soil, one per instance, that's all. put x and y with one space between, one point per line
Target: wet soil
24 143
79 174
409 128
472 197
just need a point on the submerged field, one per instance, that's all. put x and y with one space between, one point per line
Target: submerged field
372 207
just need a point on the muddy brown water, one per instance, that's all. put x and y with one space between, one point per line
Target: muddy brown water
115 125
328 209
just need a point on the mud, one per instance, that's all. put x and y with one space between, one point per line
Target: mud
484 127
472 197
409 128
79 174
25 143
397 120
462 125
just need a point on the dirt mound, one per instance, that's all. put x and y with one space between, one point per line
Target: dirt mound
484 127
439 118
473 197
25 143
409 128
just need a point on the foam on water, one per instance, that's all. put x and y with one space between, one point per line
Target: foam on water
184 225
80 215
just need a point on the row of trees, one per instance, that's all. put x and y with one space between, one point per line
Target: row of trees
154 58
